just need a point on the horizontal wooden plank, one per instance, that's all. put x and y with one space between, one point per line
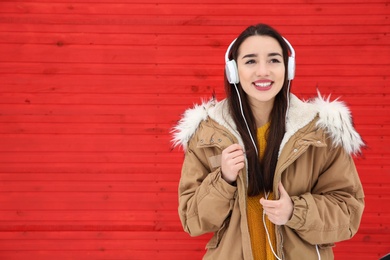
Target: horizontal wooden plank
87 157
120 55
190 84
365 248
80 171
90 143
86 118
121 84
120 38
377 189
188 9
132 175
88 201
373 130
90 225
13 25
375 205
92 186
147 255
134 172
102 254
149 114
376 143
88 217
372 219
122 244
195 19
86 128
369 239
157 100
362 250
360 256
377 225
108 235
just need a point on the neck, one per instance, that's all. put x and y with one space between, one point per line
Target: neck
261 112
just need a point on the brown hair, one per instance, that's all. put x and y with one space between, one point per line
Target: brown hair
260 173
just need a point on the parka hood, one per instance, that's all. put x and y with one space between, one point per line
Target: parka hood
334 117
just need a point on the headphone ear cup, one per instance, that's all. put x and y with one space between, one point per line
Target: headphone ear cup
291 68
232 72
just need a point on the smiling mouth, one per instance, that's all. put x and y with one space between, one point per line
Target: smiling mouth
263 84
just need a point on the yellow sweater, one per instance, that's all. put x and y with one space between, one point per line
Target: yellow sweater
259 241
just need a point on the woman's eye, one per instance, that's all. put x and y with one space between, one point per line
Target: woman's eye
275 61
250 62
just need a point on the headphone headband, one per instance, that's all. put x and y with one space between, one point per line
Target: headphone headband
228 50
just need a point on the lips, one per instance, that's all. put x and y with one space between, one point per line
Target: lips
263 84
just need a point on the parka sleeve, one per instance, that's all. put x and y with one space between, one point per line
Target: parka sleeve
332 211
205 199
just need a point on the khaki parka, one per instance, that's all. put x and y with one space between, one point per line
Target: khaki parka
315 166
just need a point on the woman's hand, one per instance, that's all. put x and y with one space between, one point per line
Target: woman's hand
278 211
232 161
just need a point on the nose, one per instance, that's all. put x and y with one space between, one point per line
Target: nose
262 69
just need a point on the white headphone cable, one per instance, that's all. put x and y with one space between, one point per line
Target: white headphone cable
268 236
266 194
243 116
257 152
288 98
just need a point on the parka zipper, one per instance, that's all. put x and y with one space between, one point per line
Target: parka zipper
297 152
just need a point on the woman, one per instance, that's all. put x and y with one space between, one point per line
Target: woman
270 175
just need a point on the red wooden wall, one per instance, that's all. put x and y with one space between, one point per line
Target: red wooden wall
90 89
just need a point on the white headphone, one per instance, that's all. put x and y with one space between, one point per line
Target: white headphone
231 66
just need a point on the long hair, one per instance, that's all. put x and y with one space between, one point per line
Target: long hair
260 173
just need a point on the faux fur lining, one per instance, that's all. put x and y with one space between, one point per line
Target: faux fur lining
189 122
334 117
299 115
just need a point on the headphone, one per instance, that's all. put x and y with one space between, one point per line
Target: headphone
232 71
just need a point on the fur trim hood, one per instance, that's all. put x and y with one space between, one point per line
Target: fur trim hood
334 117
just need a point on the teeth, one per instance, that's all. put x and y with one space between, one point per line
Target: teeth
265 84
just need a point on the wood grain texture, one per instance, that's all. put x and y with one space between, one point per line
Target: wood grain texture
89 92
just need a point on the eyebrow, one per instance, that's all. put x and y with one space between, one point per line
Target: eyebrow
272 54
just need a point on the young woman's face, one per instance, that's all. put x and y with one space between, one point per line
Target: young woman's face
260 68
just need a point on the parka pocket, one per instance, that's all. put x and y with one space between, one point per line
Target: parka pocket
216 239
213 145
